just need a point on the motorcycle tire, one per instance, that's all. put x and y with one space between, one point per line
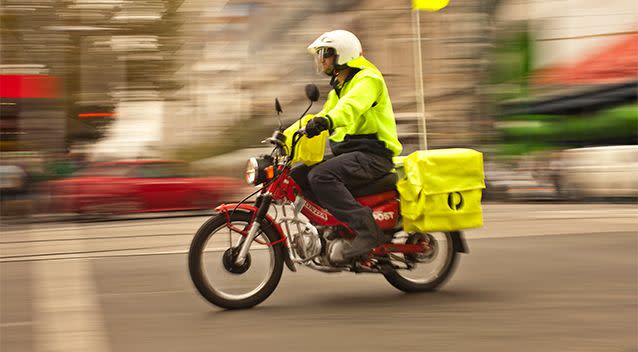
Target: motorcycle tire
408 285
196 265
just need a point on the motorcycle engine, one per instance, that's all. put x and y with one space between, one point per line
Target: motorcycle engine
307 244
334 250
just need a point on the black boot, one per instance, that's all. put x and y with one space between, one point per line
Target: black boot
363 244
360 247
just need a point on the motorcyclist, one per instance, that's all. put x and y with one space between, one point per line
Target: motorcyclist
363 137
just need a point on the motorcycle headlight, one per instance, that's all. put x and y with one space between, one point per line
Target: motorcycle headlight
259 170
251 170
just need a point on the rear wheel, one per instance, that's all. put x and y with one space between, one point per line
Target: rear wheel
428 270
218 278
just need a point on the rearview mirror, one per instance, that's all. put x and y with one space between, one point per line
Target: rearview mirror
278 106
312 92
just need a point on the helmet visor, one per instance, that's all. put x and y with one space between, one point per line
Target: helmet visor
322 54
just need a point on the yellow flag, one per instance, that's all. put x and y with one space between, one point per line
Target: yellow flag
429 5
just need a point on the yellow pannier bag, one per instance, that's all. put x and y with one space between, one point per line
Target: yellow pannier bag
441 189
308 150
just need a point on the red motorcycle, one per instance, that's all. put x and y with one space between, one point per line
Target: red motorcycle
236 258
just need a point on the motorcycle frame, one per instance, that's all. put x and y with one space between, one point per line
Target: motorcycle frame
284 190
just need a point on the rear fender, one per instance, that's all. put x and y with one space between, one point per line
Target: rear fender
458 241
252 210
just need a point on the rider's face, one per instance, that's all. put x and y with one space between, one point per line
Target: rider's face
325 58
327 64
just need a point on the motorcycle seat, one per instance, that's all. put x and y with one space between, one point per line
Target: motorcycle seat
384 184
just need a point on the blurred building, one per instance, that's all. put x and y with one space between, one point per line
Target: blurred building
214 46
239 55
566 75
565 31
103 54
154 77
31 111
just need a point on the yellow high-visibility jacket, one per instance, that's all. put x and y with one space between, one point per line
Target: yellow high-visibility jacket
360 113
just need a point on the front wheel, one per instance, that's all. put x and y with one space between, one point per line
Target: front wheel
428 270
212 266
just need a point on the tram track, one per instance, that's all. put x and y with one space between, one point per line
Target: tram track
92 238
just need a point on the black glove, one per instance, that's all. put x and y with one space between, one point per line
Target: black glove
316 126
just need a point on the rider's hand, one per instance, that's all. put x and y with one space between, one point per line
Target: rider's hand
316 126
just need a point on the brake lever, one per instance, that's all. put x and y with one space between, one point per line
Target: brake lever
273 141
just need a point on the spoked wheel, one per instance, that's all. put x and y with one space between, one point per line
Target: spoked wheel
428 270
218 277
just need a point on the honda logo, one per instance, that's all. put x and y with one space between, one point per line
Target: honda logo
316 211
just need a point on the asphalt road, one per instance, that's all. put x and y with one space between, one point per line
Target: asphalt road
539 277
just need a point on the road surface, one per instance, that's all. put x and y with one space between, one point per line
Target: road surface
539 277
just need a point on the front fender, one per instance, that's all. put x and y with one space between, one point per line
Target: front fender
251 209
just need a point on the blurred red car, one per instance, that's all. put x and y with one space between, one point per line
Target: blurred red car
135 186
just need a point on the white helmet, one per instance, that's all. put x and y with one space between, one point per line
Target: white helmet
346 45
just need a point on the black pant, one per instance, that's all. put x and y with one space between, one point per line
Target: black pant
327 183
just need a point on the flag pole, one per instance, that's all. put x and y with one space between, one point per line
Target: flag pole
418 76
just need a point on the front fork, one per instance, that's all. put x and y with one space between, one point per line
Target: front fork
263 204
